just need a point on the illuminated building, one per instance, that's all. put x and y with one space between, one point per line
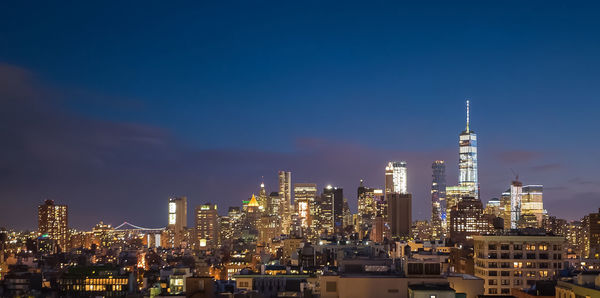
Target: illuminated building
378 230
367 207
53 222
522 206
177 220
268 230
333 209
304 199
453 195
438 198
94 281
273 203
516 196
591 235
467 164
207 226
396 177
285 207
467 220
400 214
262 199
532 204
493 207
517 259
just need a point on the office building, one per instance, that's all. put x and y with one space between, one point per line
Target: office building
517 259
467 220
304 198
177 220
262 199
207 226
532 205
438 198
367 207
400 214
396 177
467 165
53 222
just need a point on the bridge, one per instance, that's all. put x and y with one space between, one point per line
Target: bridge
126 226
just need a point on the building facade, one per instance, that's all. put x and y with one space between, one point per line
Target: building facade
53 221
517 260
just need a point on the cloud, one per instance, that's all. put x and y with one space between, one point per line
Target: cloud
517 156
546 167
580 181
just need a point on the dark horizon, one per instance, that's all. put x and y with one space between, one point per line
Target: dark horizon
113 117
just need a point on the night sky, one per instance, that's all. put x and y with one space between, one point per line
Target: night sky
113 107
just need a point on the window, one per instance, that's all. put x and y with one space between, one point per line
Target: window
504 247
505 282
492 282
492 291
505 291
432 296
518 247
492 247
493 273
505 273
331 286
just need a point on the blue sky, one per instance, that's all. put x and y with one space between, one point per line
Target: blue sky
109 106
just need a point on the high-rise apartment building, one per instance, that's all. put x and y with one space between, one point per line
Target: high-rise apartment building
305 195
438 198
591 235
517 259
177 220
207 226
400 214
53 222
396 177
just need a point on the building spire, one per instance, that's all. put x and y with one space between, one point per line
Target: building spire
468 115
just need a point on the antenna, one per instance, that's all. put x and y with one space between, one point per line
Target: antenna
468 115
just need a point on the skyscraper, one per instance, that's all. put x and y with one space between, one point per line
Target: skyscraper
263 199
400 214
516 195
332 209
53 222
177 219
207 226
467 164
396 177
367 206
438 198
285 191
304 199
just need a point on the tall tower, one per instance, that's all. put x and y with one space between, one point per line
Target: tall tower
53 221
467 164
396 177
516 195
285 192
438 198
207 226
177 219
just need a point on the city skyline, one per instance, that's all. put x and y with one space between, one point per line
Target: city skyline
107 125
